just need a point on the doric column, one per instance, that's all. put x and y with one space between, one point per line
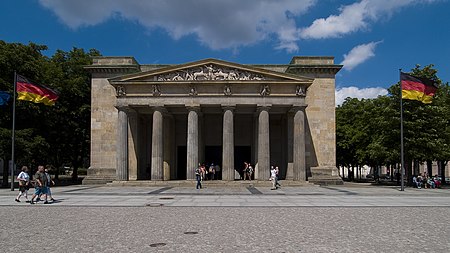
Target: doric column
290 145
192 142
122 145
228 145
169 138
157 145
299 146
263 170
133 144
201 139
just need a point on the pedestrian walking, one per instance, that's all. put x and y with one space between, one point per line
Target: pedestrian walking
250 171
199 178
49 183
273 175
24 184
245 171
202 172
277 178
40 185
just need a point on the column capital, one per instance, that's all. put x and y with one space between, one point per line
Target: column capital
195 108
228 108
161 109
125 108
296 108
260 108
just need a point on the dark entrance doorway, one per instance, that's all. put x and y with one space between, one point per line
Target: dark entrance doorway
242 154
181 162
213 154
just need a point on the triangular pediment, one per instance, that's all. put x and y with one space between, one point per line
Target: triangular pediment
210 70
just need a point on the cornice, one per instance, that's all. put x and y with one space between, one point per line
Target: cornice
125 69
317 69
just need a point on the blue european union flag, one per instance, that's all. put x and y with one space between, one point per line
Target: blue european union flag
4 97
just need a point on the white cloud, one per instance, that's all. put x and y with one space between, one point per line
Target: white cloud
359 54
217 24
355 17
355 92
232 23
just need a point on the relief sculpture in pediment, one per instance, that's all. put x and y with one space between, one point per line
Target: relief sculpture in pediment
209 72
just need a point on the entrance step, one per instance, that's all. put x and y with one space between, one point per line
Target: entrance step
214 183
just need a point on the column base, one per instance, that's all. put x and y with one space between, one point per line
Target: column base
325 175
99 176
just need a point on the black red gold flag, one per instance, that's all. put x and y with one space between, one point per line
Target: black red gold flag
417 88
33 92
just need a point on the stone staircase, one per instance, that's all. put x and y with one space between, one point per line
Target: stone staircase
214 183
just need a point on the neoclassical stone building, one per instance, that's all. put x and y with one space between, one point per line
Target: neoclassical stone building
158 122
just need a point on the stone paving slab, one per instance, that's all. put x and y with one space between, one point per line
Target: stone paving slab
239 197
226 229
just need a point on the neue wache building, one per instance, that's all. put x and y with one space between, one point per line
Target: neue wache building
158 122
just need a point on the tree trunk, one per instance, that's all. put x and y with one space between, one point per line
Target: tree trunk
392 167
353 173
441 170
357 172
5 175
416 168
408 171
429 168
76 164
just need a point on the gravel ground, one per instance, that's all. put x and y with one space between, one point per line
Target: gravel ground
218 229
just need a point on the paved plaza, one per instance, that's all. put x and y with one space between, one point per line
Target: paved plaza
349 218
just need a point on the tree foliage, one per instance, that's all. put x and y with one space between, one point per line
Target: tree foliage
56 135
368 130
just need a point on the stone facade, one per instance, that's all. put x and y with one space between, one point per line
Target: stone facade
158 122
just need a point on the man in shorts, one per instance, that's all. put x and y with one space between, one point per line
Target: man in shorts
40 185
24 181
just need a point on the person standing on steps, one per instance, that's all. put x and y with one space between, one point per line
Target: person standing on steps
198 177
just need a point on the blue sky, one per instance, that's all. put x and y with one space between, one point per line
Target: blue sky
372 38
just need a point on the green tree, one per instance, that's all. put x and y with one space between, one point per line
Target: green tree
70 125
368 130
53 135
26 60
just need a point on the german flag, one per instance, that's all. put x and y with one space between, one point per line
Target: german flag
417 88
27 90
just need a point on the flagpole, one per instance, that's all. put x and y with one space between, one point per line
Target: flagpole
13 131
401 135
